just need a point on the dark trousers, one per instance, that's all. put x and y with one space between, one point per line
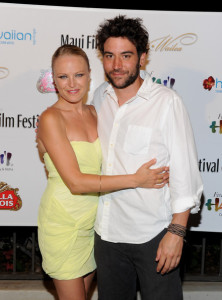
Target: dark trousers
120 266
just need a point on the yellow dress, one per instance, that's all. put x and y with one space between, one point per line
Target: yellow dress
66 221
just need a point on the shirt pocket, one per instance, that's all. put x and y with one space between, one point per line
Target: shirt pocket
137 139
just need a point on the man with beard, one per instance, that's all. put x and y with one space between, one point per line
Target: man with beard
139 233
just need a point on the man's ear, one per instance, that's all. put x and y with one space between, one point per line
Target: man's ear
143 59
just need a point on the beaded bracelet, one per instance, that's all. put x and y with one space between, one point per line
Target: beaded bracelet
177 229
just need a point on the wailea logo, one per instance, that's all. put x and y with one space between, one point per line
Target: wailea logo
176 44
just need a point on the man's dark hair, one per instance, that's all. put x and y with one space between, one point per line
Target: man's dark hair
120 26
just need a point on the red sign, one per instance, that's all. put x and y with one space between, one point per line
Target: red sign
9 198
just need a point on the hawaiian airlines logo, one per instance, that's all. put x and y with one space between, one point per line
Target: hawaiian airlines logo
11 36
169 43
211 82
4 72
45 82
208 83
9 198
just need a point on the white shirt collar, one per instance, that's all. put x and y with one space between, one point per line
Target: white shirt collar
143 92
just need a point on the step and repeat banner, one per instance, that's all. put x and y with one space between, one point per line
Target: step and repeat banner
185 55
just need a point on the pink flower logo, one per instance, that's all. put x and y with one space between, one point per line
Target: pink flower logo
45 82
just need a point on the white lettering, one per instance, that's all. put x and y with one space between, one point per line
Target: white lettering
6 203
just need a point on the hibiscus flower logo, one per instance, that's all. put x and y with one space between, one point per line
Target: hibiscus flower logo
208 83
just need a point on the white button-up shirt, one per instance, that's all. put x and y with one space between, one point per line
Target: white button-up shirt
153 124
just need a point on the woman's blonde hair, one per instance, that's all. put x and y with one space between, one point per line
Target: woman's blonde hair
69 50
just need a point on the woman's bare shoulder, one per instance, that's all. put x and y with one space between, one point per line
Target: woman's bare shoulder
51 117
50 121
50 112
92 109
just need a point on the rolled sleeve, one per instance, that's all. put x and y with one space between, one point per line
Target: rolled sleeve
185 181
180 205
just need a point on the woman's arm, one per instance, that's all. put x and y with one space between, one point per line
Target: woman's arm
52 134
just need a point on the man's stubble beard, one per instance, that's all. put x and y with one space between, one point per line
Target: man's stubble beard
130 79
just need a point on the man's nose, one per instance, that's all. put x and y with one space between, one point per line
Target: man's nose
117 63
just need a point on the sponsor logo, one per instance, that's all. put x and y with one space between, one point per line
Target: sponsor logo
45 82
12 36
169 82
5 161
169 43
4 72
9 198
208 83
216 127
214 204
216 124
212 83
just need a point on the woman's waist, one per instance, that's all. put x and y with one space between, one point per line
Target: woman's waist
53 174
57 188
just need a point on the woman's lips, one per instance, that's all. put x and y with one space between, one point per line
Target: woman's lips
73 91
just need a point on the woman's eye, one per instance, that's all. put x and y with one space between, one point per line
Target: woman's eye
80 75
62 76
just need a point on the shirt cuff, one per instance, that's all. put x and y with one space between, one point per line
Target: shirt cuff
184 203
